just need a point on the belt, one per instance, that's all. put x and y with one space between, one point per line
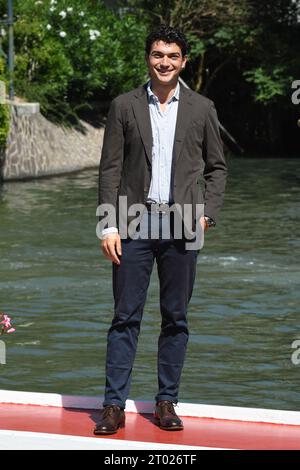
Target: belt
158 207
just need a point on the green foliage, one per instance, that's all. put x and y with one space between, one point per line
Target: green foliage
244 54
269 85
4 112
69 53
214 28
197 46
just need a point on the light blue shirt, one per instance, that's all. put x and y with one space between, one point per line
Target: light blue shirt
163 124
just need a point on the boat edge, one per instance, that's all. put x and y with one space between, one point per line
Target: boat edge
232 413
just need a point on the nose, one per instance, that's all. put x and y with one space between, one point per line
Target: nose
165 61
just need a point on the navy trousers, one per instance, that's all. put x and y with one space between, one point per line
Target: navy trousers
176 270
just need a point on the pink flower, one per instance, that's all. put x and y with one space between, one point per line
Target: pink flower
6 321
6 328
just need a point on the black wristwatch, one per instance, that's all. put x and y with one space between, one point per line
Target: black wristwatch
210 222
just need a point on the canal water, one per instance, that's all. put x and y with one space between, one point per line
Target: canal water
244 316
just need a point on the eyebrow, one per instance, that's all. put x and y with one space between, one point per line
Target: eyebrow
169 53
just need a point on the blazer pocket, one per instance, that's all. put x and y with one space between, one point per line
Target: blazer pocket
199 190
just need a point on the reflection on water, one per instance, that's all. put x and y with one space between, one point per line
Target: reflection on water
243 317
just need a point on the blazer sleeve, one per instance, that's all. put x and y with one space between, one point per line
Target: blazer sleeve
112 157
215 170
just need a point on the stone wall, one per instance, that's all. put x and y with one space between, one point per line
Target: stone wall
37 147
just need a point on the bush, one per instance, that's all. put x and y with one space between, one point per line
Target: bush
4 112
69 53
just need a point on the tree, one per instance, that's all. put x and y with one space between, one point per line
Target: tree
245 55
216 29
69 53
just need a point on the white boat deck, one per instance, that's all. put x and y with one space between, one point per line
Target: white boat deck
50 421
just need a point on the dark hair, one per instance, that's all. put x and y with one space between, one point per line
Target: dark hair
167 34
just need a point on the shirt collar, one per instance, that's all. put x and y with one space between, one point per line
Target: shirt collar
153 97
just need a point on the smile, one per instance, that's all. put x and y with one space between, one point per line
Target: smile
164 71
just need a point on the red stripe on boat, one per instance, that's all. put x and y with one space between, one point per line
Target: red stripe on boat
140 427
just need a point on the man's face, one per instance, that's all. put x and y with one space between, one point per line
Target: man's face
165 62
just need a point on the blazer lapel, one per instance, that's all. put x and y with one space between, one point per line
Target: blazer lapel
142 115
184 116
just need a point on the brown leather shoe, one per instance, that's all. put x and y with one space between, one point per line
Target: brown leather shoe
165 416
112 418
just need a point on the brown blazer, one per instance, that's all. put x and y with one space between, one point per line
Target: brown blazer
198 165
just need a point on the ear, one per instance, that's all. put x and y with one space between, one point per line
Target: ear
184 61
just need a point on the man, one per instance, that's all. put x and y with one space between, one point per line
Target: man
161 146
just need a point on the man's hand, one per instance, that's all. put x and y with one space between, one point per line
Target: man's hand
203 223
111 247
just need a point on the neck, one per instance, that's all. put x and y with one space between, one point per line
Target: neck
163 92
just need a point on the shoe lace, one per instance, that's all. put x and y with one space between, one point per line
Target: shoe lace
170 406
109 410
